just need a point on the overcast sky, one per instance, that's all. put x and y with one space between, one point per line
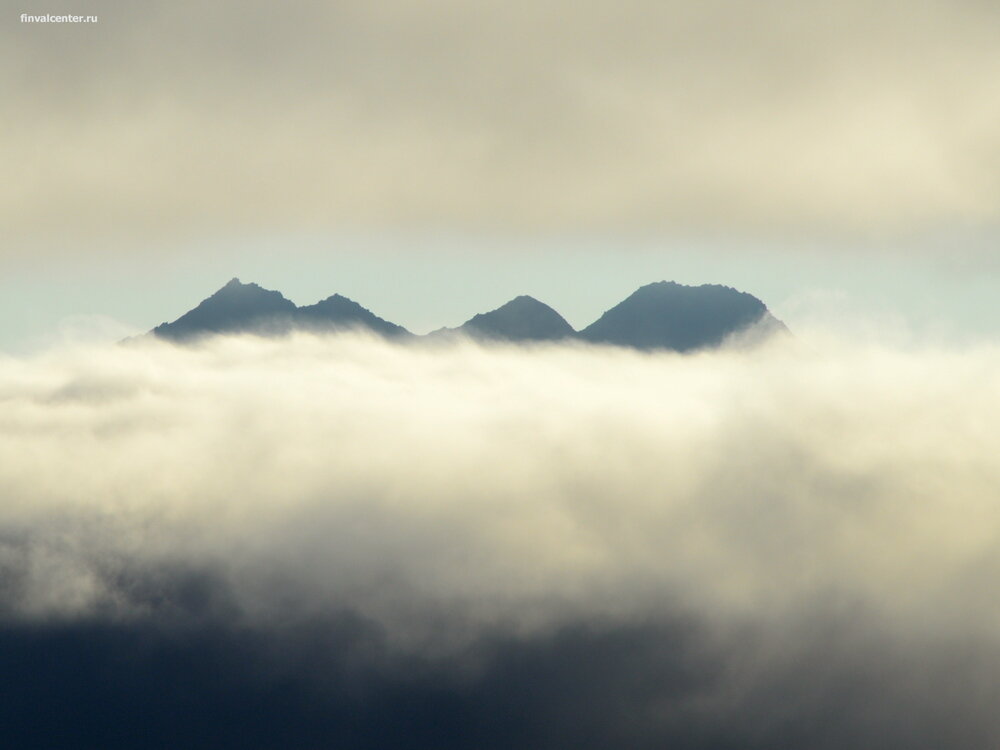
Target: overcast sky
170 134
346 542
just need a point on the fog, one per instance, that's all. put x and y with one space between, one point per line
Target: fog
808 529
170 119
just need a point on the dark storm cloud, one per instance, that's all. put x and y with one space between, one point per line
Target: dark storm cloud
172 117
334 680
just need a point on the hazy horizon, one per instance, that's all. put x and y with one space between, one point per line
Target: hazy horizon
428 281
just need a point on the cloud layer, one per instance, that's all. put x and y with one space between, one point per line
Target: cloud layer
344 540
163 118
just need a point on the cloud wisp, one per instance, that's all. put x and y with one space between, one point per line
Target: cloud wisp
372 543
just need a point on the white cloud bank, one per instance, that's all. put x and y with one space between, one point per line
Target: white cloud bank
505 487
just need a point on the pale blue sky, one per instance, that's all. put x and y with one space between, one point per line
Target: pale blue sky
923 289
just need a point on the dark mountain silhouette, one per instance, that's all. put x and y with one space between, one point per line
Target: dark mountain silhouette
248 308
663 315
522 319
338 312
667 315
235 308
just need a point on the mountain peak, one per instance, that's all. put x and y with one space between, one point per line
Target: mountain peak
660 315
525 302
523 318
249 308
668 315
673 287
234 308
337 312
236 287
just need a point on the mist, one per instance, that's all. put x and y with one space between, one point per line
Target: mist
376 543
777 117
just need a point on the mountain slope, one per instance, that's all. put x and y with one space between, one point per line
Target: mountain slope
235 308
338 312
248 308
524 318
667 315
662 315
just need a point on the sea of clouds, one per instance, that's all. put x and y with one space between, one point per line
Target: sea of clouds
342 541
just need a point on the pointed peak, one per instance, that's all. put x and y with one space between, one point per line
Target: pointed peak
234 288
336 298
338 311
522 318
333 302
522 301
235 285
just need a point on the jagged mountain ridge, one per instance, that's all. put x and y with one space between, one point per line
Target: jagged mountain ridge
662 315
249 308
235 308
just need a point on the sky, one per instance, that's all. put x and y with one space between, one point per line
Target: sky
341 541
427 280
432 160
